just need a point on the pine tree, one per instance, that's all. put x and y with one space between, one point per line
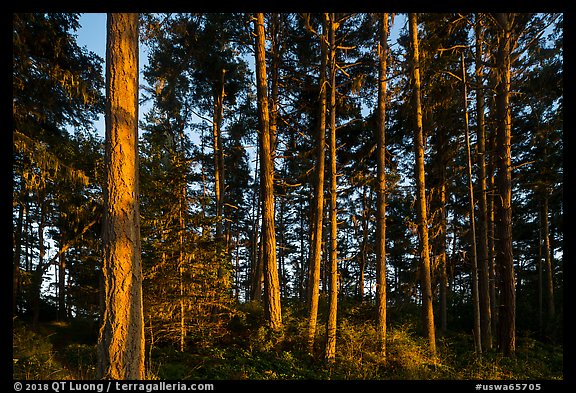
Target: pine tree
503 247
318 207
121 340
381 185
423 250
271 284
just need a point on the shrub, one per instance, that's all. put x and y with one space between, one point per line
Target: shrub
33 355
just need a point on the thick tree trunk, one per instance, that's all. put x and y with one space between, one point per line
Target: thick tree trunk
333 268
381 188
424 250
483 256
271 284
318 208
503 246
121 341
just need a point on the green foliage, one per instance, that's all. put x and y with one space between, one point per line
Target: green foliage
33 356
251 351
257 353
82 359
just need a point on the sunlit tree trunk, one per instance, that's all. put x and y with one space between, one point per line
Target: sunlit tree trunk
271 283
333 255
218 155
318 207
381 187
424 250
121 341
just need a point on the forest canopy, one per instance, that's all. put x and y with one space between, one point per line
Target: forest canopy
289 196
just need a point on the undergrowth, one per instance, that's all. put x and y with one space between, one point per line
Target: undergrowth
251 351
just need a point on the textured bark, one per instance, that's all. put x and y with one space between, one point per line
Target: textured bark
483 256
318 208
121 340
503 245
424 250
271 284
381 188
333 268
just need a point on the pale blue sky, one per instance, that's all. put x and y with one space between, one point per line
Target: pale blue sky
92 35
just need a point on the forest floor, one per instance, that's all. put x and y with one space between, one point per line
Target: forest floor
60 350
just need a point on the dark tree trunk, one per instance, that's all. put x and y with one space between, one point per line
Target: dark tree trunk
503 245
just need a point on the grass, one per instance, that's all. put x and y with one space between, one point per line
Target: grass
252 352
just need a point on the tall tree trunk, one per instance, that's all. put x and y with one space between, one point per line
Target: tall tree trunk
181 252
503 246
474 259
381 187
271 284
490 202
424 250
318 207
121 340
218 156
483 257
333 270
